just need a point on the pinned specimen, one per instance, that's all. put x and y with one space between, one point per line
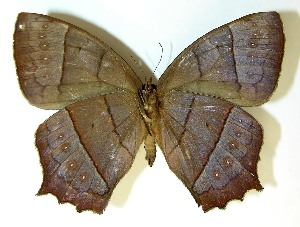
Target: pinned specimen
105 112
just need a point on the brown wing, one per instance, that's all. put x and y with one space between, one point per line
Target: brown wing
239 61
58 63
88 146
211 145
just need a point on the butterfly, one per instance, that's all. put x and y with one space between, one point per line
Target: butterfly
106 113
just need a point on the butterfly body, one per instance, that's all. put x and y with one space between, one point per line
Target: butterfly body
149 111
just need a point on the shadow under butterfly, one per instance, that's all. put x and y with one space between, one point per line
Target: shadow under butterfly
106 113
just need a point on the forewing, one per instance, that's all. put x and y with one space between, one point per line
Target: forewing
211 145
87 147
239 61
58 63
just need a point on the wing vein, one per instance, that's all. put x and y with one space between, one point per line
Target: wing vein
115 126
85 148
64 57
214 146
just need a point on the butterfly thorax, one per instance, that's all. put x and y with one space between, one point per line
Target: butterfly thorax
149 100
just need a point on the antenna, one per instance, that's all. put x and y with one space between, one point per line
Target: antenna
139 66
162 51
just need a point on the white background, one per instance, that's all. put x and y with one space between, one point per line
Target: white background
151 196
